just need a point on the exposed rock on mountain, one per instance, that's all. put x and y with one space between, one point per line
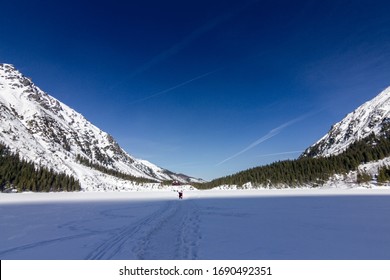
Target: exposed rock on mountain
371 117
49 133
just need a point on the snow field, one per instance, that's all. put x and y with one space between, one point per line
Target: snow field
268 224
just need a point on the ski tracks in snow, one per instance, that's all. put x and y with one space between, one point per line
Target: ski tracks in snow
171 232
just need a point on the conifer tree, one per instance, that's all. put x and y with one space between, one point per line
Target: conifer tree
315 171
22 175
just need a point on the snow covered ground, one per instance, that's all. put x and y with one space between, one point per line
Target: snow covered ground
251 224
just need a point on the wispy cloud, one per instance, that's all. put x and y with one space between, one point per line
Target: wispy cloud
270 134
174 87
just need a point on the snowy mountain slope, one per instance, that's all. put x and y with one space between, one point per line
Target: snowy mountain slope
51 134
366 119
369 125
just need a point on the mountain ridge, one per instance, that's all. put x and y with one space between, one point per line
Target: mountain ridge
368 118
49 133
355 152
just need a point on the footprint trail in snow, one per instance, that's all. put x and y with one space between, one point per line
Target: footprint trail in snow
171 232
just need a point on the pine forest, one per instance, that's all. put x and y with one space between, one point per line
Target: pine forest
21 175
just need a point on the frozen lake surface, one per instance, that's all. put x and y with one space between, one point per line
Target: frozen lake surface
284 224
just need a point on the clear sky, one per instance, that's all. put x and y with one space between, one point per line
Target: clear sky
206 88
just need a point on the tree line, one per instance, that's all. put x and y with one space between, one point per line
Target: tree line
314 171
112 172
21 175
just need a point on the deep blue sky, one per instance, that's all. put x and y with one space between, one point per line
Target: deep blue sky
206 88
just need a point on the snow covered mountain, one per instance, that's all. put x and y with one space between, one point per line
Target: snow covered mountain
366 119
51 134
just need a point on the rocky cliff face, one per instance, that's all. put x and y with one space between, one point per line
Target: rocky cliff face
44 130
371 117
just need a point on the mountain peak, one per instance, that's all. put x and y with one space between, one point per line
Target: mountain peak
367 119
45 131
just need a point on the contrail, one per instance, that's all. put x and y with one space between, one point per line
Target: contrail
269 135
281 153
174 87
184 42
